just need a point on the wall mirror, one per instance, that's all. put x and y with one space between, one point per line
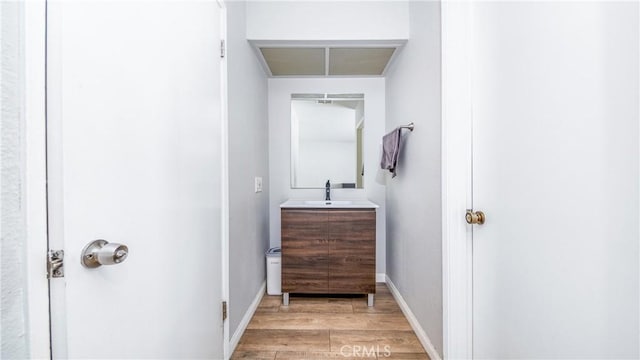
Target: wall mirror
326 140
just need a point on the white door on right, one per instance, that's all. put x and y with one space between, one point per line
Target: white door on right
555 170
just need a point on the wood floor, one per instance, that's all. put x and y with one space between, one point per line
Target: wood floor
329 327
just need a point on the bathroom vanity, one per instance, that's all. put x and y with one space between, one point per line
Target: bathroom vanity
328 247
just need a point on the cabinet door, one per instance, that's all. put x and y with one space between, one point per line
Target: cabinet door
305 254
352 251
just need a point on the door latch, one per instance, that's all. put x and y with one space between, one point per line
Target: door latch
55 264
224 310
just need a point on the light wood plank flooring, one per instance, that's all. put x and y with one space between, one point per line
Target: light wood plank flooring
317 327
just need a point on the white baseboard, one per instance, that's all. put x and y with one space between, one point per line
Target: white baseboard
413 321
381 277
235 339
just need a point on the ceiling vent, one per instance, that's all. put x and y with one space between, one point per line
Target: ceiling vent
286 59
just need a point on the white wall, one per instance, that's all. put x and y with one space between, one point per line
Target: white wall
327 20
13 301
280 91
248 158
414 232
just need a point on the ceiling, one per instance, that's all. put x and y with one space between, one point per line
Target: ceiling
325 60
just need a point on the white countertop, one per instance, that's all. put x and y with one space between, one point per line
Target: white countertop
321 204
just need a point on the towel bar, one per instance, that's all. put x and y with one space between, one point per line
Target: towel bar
408 126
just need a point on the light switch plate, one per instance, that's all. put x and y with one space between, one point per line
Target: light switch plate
258 184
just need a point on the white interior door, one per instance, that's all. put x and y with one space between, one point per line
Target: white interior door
134 115
555 169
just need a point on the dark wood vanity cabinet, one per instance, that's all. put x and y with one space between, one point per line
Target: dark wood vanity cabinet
305 251
352 251
329 251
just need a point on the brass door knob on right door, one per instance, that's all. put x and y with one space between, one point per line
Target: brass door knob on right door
474 217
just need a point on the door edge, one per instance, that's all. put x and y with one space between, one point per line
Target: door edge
226 345
33 31
457 250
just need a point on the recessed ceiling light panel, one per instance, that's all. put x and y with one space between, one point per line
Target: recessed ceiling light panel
299 61
359 61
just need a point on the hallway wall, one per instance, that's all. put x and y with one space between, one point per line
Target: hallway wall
248 158
13 303
413 197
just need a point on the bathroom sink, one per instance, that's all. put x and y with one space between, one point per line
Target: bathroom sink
328 202
348 204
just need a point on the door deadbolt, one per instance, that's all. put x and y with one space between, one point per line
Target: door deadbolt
101 252
474 217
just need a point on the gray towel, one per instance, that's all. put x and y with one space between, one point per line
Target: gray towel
390 150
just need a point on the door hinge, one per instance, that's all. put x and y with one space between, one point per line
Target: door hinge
224 310
222 49
55 264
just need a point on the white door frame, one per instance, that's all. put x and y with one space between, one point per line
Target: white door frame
457 130
224 211
33 31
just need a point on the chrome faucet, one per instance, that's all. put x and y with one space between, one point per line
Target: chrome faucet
327 191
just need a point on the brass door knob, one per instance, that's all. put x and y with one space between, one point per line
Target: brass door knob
474 217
